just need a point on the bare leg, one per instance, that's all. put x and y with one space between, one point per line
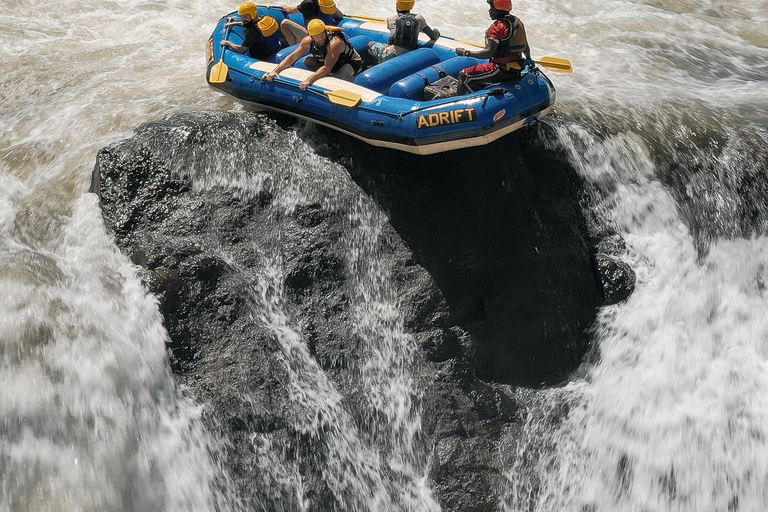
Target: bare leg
293 32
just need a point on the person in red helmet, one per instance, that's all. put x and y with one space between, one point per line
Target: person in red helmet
505 45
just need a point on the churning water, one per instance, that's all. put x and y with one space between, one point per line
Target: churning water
665 117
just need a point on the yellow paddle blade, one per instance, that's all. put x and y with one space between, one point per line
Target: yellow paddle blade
368 18
219 72
344 98
555 64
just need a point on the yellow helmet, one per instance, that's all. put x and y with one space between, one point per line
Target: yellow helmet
327 6
315 27
405 5
268 25
248 8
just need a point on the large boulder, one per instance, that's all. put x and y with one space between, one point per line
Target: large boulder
341 354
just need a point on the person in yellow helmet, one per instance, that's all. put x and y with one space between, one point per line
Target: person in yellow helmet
331 52
324 10
404 29
262 38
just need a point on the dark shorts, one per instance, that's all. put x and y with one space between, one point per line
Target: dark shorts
313 64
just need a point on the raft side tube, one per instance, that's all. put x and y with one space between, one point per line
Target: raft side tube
412 86
381 76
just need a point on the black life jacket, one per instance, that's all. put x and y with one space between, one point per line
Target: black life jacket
311 11
406 31
348 56
261 46
512 47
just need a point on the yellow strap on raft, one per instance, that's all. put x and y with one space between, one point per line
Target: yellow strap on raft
344 98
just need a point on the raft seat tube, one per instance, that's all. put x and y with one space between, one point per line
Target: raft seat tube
380 77
412 86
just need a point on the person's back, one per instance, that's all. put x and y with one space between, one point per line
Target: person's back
262 38
404 29
324 10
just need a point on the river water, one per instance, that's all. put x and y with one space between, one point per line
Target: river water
666 118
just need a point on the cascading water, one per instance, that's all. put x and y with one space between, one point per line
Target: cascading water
672 414
373 457
114 435
665 117
380 464
669 413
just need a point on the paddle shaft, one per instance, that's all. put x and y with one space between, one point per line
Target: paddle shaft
220 69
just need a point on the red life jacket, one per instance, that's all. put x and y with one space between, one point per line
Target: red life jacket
512 47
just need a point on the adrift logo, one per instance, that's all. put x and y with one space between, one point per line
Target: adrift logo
460 115
210 50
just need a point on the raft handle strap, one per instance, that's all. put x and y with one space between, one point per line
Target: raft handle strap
497 91
492 92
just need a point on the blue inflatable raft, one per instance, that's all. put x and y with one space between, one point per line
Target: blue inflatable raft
385 104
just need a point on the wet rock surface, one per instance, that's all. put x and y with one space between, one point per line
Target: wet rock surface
261 256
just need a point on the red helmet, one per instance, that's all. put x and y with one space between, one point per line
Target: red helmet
501 5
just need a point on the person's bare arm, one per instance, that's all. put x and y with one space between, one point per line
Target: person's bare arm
335 46
486 53
432 33
236 47
291 59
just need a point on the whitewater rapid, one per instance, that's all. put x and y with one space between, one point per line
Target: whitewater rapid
670 413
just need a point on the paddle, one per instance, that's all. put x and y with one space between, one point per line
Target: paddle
340 97
344 98
367 18
555 64
220 71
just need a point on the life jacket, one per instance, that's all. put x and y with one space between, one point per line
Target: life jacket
266 37
348 56
512 47
312 12
270 34
406 31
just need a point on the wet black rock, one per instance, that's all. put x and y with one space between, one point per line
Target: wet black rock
617 279
264 257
